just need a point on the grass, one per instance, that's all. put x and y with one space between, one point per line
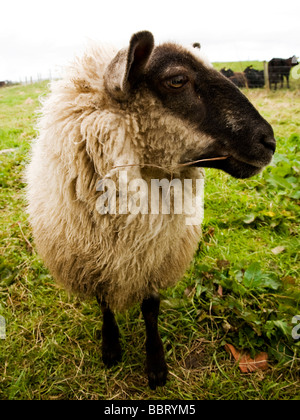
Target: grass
239 66
237 290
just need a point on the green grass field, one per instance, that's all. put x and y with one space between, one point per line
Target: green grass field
239 66
242 287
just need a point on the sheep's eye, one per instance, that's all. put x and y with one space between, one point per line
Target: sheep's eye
177 82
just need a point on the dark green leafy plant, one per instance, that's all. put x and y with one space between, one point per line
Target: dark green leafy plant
253 308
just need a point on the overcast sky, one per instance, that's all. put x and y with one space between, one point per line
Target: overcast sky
40 36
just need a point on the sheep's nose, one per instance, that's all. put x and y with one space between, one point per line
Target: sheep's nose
268 141
263 134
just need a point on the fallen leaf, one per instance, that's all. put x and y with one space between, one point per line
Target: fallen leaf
260 362
220 290
231 349
278 250
246 364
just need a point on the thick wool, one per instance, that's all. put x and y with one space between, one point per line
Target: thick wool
85 137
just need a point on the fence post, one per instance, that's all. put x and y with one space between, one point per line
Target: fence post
266 74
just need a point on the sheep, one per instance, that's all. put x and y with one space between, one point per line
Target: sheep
152 112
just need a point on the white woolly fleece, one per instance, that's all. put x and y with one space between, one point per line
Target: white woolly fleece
84 135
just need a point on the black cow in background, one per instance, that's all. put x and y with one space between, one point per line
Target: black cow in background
279 68
227 72
250 77
255 78
238 78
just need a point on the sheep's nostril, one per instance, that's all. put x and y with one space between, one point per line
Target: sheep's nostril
269 142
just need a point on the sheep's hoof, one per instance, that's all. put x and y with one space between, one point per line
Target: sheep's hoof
157 375
112 355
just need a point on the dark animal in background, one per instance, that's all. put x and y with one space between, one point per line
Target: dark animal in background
227 72
255 78
237 78
250 77
279 68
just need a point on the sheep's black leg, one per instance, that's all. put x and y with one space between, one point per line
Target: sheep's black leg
111 349
155 365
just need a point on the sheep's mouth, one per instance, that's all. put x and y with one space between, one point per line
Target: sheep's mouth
233 166
203 161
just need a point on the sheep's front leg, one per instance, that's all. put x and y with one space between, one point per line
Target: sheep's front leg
156 367
111 349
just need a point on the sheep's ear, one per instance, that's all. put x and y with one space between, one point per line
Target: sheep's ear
128 65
